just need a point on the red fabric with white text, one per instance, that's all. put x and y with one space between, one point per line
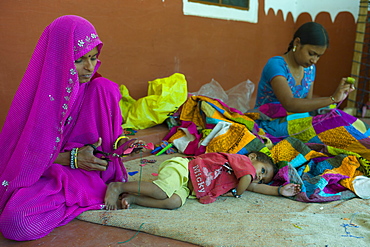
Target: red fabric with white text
210 178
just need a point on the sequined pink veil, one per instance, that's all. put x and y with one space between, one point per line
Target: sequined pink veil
51 113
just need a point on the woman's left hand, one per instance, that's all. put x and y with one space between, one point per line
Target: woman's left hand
128 147
343 90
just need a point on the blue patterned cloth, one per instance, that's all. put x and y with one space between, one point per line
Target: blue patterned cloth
276 66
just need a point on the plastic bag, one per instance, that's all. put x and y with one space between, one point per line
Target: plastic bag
237 97
213 90
165 96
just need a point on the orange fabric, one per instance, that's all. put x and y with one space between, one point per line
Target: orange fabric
348 168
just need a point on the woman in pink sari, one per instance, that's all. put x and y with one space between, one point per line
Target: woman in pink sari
62 112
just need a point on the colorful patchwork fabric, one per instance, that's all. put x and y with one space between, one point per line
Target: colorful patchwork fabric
200 114
336 129
322 177
323 153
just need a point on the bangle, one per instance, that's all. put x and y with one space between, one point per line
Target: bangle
73 158
332 98
115 145
233 191
279 190
76 158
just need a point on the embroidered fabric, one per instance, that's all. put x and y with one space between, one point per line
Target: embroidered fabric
49 115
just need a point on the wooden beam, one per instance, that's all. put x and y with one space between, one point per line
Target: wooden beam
357 55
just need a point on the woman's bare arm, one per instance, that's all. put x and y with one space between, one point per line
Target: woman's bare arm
285 96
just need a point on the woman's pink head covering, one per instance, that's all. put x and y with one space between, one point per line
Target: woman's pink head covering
35 126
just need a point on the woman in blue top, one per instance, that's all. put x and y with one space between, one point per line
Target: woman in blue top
285 97
289 79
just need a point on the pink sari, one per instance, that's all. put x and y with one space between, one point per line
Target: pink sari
51 113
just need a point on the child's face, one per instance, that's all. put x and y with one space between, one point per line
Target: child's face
264 172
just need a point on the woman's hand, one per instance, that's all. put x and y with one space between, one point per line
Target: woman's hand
129 146
140 144
86 160
290 189
343 90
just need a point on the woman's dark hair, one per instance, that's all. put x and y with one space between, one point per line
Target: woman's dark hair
311 33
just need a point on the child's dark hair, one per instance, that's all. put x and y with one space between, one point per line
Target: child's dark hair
264 158
311 33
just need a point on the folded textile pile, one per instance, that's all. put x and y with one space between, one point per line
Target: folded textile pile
299 144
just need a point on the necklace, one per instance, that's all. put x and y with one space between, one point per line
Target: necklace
296 75
299 73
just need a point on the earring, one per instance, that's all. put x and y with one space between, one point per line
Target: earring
294 48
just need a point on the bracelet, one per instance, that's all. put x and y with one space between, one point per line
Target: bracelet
233 191
279 190
72 163
332 98
115 145
76 158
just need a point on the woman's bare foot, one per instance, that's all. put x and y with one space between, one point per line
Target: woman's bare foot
126 200
111 200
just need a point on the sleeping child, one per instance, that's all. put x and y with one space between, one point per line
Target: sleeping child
205 176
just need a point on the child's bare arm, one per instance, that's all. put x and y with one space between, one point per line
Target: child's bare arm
286 190
263 189
244 183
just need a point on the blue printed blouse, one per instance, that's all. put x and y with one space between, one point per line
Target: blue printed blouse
276 66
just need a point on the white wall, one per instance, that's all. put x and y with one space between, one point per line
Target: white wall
295 7
313 7
217 12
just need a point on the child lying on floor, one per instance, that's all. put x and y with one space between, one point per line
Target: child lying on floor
206 176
